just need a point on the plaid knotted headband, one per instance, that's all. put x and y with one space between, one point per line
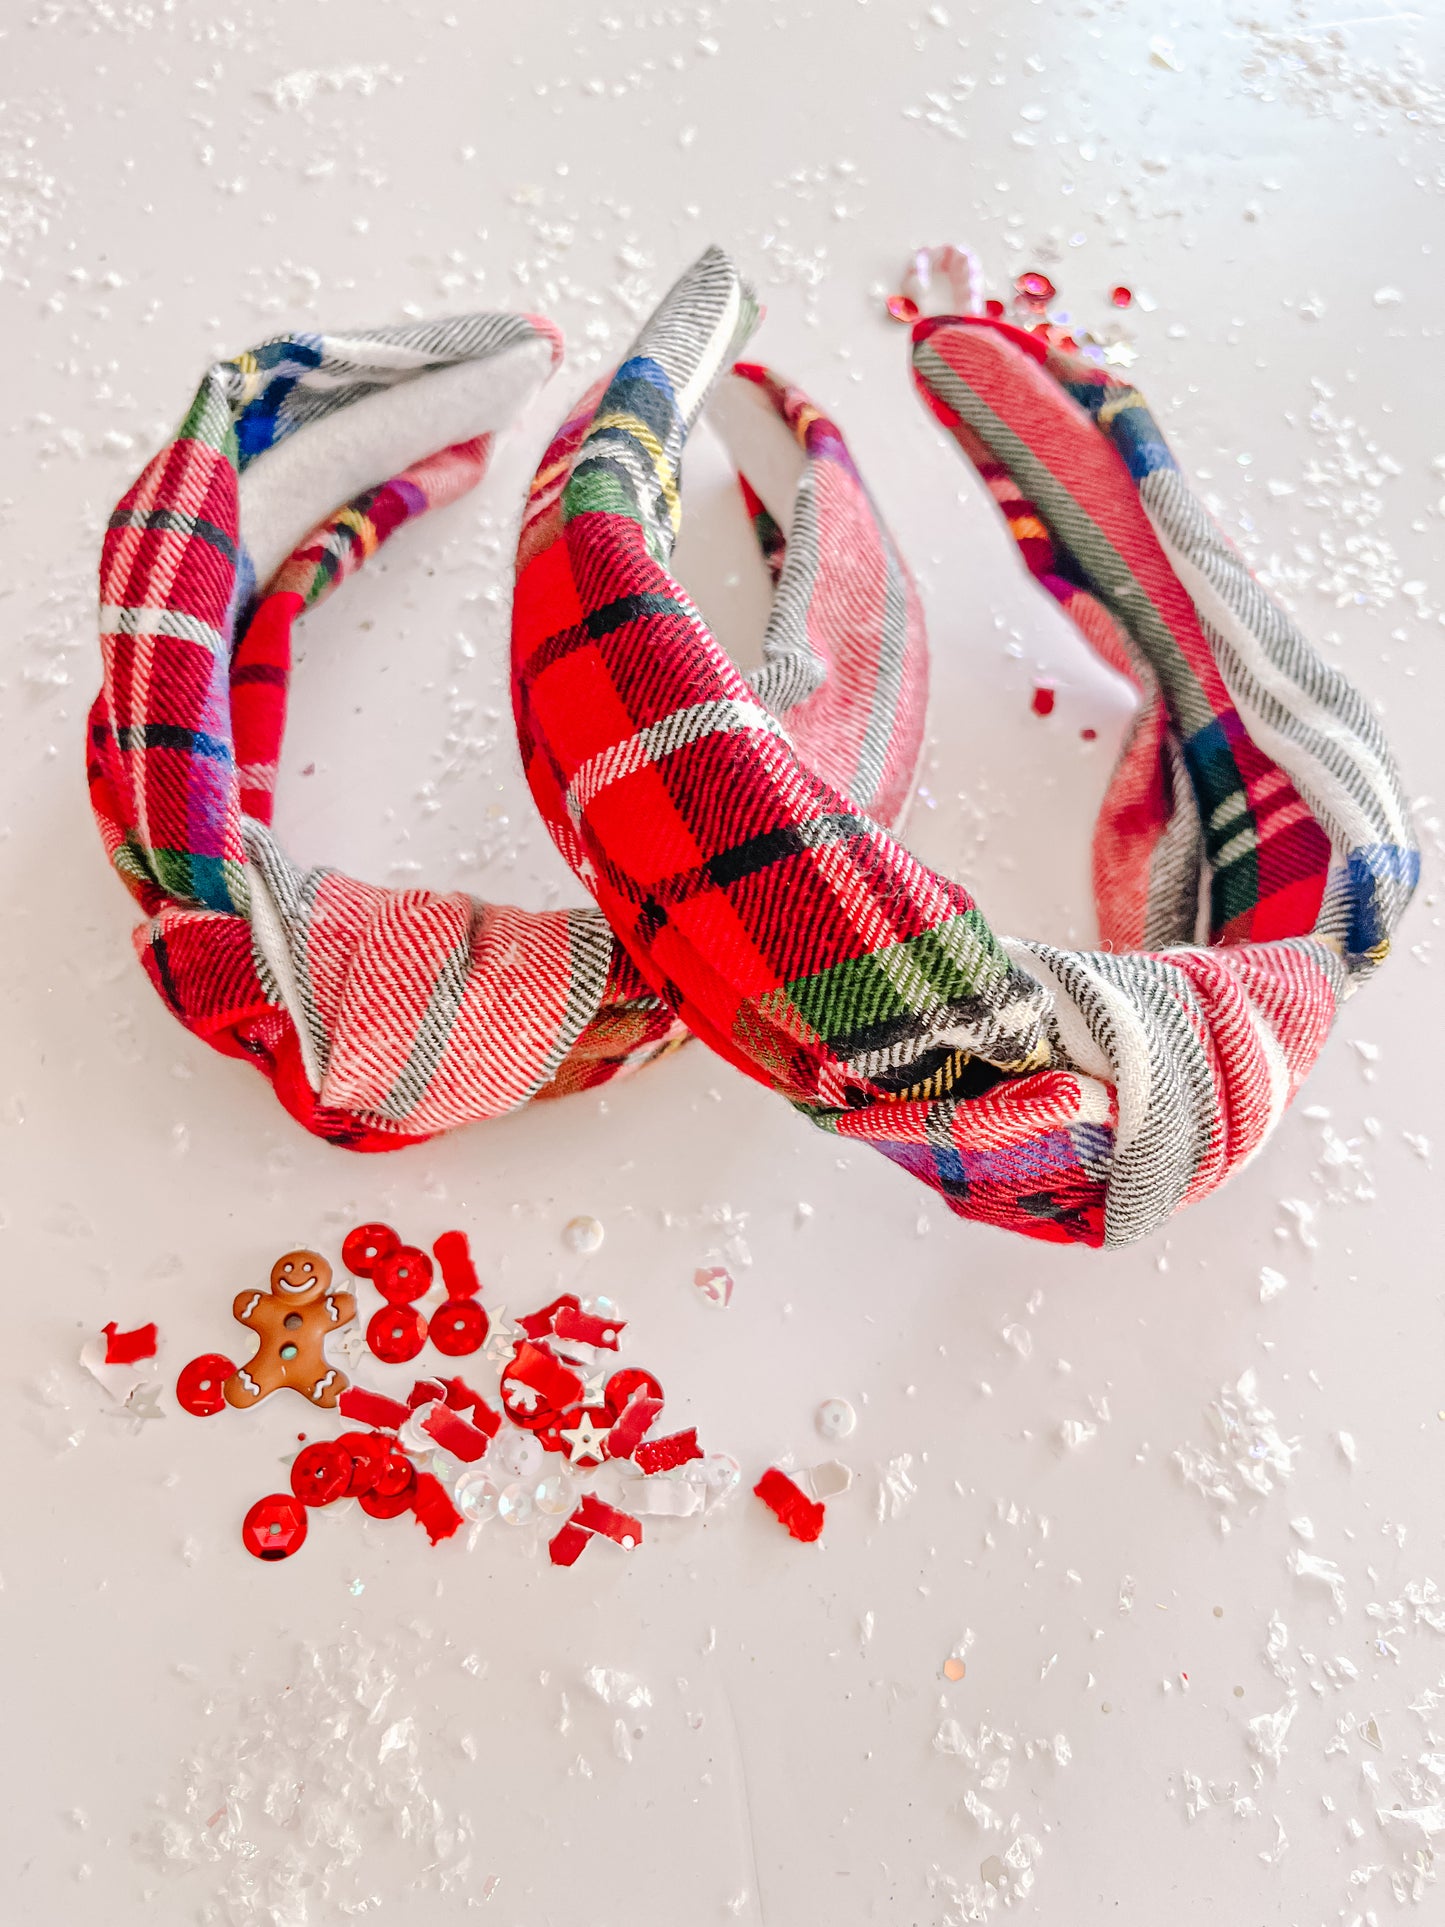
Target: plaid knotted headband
385 1016
1251 860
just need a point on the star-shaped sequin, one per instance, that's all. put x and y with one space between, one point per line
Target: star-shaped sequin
585 1440
503 1337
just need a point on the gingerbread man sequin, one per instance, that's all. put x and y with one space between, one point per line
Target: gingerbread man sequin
291 1321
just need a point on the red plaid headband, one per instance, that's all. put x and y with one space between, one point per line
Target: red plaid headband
386 1016
1251 860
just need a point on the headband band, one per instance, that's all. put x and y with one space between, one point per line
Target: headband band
1069 1096
381 1016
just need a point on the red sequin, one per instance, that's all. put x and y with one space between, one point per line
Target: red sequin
199 1386
275 1527
322 1473
995 310
1035 287
405 1275
458 1327
1043 700
367 1451
903 307
367 1248
1122 297
396 1333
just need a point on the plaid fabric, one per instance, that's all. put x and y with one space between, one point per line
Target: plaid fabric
381 1016
1069 1096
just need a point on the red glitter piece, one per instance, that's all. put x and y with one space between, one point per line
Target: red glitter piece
1035 287
902 307
322 1473
454 1255
433 1509
455 1434
1122 297
459 1327
367 1248
1042 701
541 1324
995 310
662 1455
1088 735
790 1505
372 1408
583 1328
275 1527
632 1427
199 1387
567 1546
129 1348
595 1515
396 1333
405 1275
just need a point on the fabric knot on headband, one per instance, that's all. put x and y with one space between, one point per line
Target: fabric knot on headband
1251 860
385 1016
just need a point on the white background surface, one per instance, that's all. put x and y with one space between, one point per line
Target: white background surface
178 180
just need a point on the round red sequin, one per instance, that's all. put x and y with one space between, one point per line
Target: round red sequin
377 1507
625 1385
200 1385
405 1274
902 307
1122 297
396 1333
396 1474
367 1452
458 1327
275 1527
995 310
322 1473
367 1248
1033 286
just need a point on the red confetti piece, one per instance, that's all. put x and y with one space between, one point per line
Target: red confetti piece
1122 297
460 1396
322 1473
455 1434
902 308
426 1391
607 1522
372 1408
540 1324
632 1427
583 1328
567 1546
275 1527
1043 700
396 1333
367 1248
459 1327
1088 735
790 1505
128 1348
552 1385
405 1275
433 1509
459 1274
201 1385
662 1455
